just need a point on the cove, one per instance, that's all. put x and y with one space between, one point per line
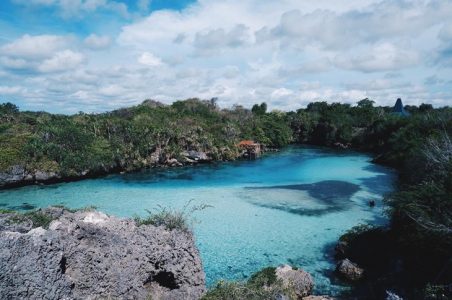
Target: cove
287 207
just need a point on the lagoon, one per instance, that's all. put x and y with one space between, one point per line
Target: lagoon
287 207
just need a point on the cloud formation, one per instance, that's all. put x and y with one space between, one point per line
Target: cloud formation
287 53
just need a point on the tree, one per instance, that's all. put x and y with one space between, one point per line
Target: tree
8 108
259 109
425 107
367 103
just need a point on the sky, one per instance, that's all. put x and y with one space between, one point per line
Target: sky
67 56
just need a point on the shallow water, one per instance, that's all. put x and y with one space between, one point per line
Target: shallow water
288 207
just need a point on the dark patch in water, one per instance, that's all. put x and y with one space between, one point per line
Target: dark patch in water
333 194
24 206
379 184
327 190
2 204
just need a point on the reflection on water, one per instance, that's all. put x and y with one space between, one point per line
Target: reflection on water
288 207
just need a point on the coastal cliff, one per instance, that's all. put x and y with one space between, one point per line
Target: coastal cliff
89 255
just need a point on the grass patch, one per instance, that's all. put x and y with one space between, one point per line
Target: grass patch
261 285
172 218
37 218
74 210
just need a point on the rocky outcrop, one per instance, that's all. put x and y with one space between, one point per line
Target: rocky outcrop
13 175
89 255
318 298
349 270
299 281
192 156
19 175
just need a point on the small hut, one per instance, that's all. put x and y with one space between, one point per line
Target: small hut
250 149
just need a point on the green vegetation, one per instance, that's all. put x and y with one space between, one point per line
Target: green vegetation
261 285
418 146
131 138
36 218
172 218
357 230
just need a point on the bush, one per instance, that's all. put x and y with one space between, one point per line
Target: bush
170 218
261 285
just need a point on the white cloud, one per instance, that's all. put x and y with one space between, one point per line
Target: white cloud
149 59
35 47
96 42
382 57
286 52
10 90
62 61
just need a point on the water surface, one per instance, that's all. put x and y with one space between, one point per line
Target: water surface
287 207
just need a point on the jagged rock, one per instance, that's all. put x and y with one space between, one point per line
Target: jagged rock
89 255
8 222
318 298
299 281
196 155
15 174
173 162
349 270
44 176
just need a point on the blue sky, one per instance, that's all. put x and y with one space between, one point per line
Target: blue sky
96 55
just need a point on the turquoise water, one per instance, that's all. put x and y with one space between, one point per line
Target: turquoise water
288 207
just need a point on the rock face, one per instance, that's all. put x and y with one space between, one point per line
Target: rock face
196 156
89 255
349 270
298 280
13 175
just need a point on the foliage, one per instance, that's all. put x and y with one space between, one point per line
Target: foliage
354 232
171 218
131 138
259 109
261 285
37 218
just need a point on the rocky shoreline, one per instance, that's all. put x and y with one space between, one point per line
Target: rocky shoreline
20 175
59 254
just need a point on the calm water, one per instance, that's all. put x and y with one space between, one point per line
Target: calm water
287 207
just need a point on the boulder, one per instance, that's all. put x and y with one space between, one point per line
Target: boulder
349 270
299 281
90 255
14 174
44 176
173 162
199 156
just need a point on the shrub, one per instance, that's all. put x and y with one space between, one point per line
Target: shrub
172 218
261 285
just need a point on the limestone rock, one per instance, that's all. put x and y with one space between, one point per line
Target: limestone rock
44 176
89 255
198 156
349 270
13 175
173 162
298 280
